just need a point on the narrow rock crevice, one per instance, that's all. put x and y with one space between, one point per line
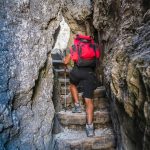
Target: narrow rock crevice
42 74
28 101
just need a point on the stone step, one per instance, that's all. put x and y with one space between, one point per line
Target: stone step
77 121
77 140
62 90
98 93
61 71
63 80
58 64
99 103
57 61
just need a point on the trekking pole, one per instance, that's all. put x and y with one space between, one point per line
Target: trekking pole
65 91
65 87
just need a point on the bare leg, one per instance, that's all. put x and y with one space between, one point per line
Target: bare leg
89 110
74 92
75 95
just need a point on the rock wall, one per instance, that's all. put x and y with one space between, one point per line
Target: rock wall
27 30
78 15
63 36
124 29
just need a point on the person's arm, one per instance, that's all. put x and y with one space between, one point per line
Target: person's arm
67 59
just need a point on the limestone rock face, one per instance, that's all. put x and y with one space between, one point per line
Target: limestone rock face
78 14
27 30
124 29
63 36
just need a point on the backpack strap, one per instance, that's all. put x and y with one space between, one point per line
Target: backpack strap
95 55
74 48
79 49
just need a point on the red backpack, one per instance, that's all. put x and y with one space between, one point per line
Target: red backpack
85 52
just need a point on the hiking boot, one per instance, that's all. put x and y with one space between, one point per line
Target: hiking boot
90 130
76 109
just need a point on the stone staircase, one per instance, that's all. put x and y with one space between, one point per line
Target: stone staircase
71 134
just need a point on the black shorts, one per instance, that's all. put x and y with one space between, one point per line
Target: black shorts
86 78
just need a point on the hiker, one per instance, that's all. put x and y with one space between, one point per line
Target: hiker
83 73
